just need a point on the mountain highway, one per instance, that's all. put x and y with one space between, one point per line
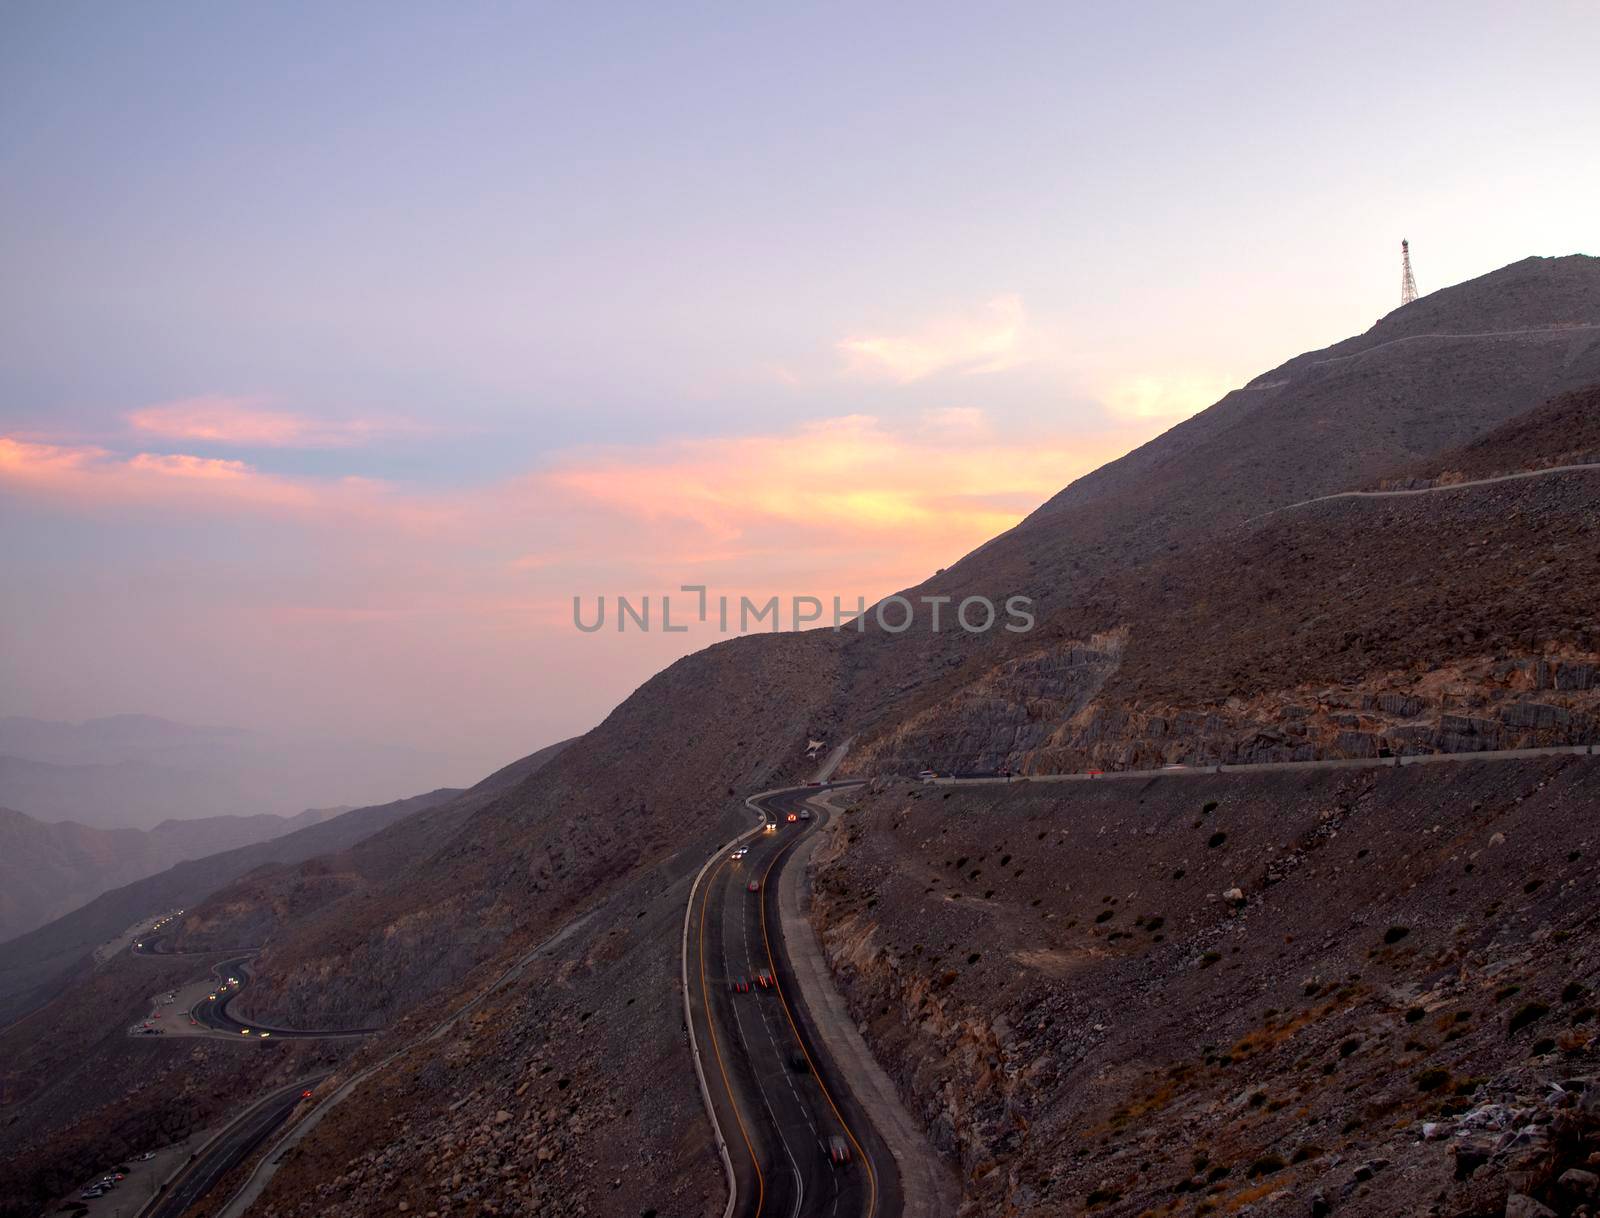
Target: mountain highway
229 1148
1518 476
213 1013
799 1141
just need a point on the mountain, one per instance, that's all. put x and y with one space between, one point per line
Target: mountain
1188 605
134 771
47 870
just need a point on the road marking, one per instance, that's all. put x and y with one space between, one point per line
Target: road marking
777 1052
866 1161
711 1026
783 1141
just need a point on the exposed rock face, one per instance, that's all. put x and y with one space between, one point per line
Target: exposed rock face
1172 620
1357 628
1235 991
1041 716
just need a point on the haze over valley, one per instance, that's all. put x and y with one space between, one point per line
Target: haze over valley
1199 820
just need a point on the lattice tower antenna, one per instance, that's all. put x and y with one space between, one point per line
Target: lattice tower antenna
1408 285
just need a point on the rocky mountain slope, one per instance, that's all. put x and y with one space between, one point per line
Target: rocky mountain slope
1169 616
47 870
1564 431
1235 993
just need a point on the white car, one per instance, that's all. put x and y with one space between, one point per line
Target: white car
927 775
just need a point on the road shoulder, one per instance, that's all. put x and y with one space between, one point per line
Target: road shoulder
928 1187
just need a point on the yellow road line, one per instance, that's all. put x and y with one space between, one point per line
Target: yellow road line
872 1180
711 1026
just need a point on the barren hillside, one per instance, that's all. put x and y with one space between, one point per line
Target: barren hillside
1169 617
1194 994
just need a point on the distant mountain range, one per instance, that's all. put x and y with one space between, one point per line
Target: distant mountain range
1193 604
47 870
135 771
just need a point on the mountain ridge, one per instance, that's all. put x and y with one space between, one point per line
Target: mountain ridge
604 839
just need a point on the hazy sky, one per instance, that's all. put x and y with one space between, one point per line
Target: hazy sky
340 346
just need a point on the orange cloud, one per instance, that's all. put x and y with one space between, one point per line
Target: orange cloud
991 339
90 478
842 506
247 422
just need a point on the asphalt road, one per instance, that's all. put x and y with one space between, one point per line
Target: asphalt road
230 1148
213 1013
1519 476
780 1102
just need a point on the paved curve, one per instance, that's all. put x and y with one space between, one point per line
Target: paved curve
228 1149
213 1014
779 1101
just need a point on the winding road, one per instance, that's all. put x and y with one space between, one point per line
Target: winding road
213 1013
799 1140
1432 490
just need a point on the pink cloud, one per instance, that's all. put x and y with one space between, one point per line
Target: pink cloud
848 506
248 422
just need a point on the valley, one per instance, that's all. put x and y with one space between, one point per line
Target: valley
1158 991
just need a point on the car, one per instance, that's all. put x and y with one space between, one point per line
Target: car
772 826
147 1156
306 1094
264 1035
738 985
211 997
927 775
805 813
753 886
838 1150
89 1194
740 852
764 980
813 784
244 1031
793 818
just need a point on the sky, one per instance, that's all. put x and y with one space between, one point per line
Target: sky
341 347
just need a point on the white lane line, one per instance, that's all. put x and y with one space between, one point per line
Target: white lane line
783 1138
